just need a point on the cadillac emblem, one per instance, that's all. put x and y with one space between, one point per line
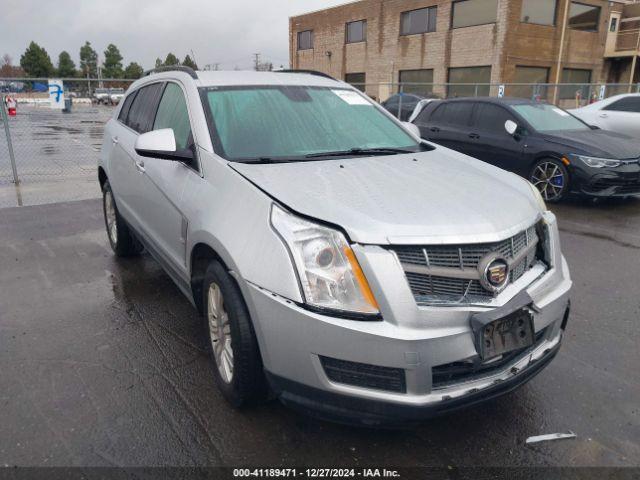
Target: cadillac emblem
494 272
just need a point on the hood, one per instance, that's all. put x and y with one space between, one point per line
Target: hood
432 197
598 143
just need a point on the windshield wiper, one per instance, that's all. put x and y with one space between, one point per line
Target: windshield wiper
360 152
268 160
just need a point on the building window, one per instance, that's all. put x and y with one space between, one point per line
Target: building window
580 80
479 77
357 80
418 21
357 31
584 17
541 12
467 13
305 40
533 75
614 24
417 81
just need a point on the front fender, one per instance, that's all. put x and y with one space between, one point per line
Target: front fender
232 217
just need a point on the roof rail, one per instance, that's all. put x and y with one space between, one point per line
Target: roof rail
173 68
308 72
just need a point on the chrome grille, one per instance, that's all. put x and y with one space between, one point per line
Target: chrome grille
446 273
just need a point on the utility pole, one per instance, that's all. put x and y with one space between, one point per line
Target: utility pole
633 63
561 50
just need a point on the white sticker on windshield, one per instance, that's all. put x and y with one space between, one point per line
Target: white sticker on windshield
560 112
352 98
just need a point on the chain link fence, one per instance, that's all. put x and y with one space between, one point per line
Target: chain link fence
565 95
51 154
53 144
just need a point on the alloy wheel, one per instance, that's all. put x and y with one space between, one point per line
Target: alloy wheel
549 179
220 332
110 213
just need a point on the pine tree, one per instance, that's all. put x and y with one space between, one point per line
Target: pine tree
35 61
66 67
171 60
112 66
88 61
189 63
133 71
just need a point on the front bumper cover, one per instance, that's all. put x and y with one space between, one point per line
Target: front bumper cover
355 410
609 182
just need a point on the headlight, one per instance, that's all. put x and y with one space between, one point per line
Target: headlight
538 195
329 272
598 162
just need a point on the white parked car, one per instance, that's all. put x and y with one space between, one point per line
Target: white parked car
116 95
620 114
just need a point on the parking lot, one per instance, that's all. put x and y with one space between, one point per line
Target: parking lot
104 363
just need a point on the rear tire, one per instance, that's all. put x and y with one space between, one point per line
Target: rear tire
234 348
122 241
551 178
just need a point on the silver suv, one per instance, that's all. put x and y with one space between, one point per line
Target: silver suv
338 261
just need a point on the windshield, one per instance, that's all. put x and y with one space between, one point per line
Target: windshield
295 122
547 118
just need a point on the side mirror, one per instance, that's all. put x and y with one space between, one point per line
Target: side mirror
161 144
412 128
511 127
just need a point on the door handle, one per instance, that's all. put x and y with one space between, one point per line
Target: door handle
114 140
434 129
140 166
603 115
475 136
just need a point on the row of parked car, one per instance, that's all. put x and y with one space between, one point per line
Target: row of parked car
108 96
594 150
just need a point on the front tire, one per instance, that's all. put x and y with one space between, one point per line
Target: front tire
551 178
122 241
234 348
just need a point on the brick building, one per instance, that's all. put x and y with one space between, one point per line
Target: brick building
386 42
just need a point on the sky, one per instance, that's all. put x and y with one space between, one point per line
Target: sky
217 31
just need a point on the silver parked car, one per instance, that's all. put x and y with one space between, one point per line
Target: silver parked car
339 262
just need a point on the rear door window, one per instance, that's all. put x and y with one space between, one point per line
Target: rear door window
458 113
629 104
491 118
172 113
437 116
126 106
143 108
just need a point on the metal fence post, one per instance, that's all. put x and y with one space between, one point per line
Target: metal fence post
12 158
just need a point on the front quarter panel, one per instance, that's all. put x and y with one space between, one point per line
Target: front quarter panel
232 216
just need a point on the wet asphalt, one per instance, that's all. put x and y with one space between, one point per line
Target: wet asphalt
103 362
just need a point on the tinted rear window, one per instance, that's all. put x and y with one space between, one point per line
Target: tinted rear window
491 118
143 108
629 104
454 113
126 105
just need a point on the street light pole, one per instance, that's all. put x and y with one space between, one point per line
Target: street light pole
561 49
